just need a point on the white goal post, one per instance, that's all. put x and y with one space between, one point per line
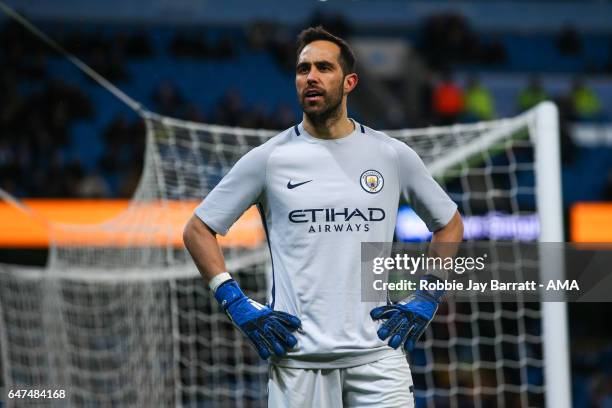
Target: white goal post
549 196
121 317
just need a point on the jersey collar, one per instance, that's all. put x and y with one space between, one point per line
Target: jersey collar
301 132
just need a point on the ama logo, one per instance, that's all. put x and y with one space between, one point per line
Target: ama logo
372 181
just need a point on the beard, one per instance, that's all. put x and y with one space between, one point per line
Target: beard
325 110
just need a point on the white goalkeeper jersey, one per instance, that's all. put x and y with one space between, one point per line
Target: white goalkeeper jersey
319 199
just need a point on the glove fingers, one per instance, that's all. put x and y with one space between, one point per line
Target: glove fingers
287 339
271 339
400 335
260 345
415 332
382 312
292 322
391 325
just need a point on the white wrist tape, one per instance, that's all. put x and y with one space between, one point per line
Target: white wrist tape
218 280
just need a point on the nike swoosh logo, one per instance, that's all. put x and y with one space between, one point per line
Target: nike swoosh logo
292 186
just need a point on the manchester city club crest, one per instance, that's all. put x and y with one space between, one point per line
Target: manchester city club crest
372 181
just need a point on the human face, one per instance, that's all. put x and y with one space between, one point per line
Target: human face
319 80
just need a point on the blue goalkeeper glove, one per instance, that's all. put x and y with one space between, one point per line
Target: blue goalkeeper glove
268 330
407 320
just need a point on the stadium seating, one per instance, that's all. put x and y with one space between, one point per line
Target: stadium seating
264 84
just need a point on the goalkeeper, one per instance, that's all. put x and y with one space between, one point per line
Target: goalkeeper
323 187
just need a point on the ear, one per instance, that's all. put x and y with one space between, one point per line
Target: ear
350 82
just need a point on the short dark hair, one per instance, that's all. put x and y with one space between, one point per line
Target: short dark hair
311 34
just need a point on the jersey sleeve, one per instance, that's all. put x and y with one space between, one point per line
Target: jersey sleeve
241 187
423 193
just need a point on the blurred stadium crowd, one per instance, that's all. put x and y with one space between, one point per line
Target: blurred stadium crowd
64 136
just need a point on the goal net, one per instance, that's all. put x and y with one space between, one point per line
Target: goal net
120 316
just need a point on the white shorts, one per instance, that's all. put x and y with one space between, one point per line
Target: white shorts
386 383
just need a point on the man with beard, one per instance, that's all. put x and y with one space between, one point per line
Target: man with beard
323 187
